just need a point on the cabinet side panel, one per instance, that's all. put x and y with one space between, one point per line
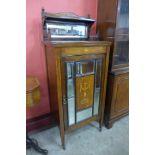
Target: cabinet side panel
109 95
104 83
51 71
60 83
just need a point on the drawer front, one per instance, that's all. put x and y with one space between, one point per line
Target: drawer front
82 50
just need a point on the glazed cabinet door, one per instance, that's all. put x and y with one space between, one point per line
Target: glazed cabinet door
81 87
120 99
121 44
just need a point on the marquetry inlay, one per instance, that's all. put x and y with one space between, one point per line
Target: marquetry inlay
84 91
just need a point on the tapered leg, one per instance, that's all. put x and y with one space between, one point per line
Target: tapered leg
63 142
63 146
101 121
100 127
62 135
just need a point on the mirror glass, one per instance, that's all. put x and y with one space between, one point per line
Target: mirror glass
97 85
71 111
70 92
63 30
84 67
70 80
84 114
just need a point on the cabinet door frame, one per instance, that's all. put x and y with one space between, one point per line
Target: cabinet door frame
117 36
64 89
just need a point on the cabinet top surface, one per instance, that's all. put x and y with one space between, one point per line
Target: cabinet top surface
76 43
66 16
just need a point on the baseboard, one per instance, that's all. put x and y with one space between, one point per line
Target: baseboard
42 122
119 117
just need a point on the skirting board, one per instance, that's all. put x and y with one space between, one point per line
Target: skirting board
42 122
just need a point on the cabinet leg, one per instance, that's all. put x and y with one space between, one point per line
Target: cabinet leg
63 141
63 146
109 125
100 127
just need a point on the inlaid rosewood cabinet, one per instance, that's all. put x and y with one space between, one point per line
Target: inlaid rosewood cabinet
81 70
113 25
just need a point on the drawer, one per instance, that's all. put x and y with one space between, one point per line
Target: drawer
82 50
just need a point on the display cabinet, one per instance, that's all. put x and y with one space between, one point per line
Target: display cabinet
81 70
113 25
77 70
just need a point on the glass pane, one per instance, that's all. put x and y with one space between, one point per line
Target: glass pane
70 92
121 47
98 72
71 111
121 52
97 85
123 14
70 81
67 31
84 114
84 67
96 100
